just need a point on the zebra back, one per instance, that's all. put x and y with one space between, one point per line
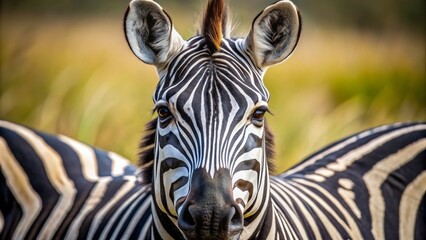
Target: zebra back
368 186
52 187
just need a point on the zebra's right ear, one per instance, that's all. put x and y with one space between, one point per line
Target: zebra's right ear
150 33
274 33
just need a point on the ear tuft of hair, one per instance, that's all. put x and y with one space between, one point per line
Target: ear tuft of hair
214 25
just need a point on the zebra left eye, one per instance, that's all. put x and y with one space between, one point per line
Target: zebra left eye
259 116
163 112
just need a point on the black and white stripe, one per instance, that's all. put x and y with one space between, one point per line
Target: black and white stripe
368 186
356 188
210 125
53 187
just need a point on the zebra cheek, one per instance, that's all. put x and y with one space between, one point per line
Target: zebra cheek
164 140
255 139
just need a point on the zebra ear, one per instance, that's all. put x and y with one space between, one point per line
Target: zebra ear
274 33
150 33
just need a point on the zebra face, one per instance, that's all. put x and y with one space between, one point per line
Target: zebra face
210 137
209 170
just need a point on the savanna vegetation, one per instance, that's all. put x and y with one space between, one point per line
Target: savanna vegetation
66 68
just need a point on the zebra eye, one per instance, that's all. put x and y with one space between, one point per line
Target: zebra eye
163 112
259 116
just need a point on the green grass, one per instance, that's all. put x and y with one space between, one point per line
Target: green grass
77 77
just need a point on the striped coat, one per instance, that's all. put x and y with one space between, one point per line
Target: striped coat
368 186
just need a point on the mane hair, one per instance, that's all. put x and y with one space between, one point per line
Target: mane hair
146 151
215 24
270 148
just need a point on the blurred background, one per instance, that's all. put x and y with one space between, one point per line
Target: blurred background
66 68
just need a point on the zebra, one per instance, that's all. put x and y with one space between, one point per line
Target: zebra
205 167
51 186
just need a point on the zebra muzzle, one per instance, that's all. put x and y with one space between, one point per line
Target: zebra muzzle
209 212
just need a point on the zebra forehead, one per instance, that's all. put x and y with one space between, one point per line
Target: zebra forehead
226 72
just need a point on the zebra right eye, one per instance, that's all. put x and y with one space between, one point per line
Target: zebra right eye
163 112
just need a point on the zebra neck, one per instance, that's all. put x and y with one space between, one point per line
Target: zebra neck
260 225
257 224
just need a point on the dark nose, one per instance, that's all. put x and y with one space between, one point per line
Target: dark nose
210 221
209 211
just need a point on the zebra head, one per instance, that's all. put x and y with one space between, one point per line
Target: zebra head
206 154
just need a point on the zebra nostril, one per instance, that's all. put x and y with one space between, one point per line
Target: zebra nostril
194 220
186 220
236 220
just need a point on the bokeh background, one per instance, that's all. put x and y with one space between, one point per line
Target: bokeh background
66 68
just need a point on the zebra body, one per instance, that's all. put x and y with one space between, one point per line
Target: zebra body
204 168
53 187
368 186
316 199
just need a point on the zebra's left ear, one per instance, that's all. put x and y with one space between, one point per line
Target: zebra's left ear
150 33
274 33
